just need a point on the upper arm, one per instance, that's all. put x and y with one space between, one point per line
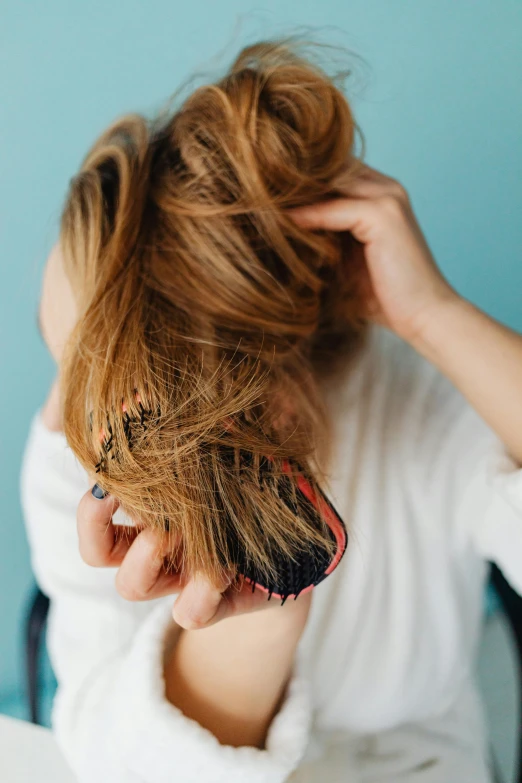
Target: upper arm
465 475
57 313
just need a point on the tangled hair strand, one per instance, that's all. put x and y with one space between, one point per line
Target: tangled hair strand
206 315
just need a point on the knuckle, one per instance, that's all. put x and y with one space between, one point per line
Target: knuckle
150 538
129 590
192 623
390 204
401 194
89 557
153 547
195 617
399 191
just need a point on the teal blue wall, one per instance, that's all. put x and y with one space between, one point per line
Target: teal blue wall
440 105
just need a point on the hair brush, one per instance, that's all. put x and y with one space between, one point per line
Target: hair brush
309 567
292 576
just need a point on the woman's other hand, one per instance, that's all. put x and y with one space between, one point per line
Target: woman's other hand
403 286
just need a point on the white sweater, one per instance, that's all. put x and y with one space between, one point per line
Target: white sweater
382 687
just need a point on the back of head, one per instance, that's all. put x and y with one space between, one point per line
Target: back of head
204 310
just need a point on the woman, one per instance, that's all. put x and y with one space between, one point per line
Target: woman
238 273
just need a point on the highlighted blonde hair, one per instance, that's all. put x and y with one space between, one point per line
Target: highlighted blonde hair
206 315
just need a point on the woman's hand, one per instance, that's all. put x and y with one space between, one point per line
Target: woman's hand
140 557
404 285
407 292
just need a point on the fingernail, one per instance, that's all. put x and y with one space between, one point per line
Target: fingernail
98 493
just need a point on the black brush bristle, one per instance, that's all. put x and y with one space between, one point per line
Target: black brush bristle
310 565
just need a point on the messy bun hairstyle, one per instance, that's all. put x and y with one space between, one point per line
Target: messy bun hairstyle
205 312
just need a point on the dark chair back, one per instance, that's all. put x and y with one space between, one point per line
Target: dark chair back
512 606
34 634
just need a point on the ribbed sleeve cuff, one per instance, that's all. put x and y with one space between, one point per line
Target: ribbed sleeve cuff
150 734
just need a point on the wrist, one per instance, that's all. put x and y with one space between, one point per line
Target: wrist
435 323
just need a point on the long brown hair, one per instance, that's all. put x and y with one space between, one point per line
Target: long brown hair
205 313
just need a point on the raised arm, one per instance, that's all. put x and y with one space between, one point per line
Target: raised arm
408 294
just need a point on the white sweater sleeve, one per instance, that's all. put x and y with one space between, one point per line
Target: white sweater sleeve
467 472
490 506
110 716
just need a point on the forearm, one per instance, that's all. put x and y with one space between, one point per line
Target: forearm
483 358
231 677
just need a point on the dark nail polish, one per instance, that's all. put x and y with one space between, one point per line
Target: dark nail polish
98 492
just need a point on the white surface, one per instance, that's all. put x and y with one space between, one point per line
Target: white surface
28 754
